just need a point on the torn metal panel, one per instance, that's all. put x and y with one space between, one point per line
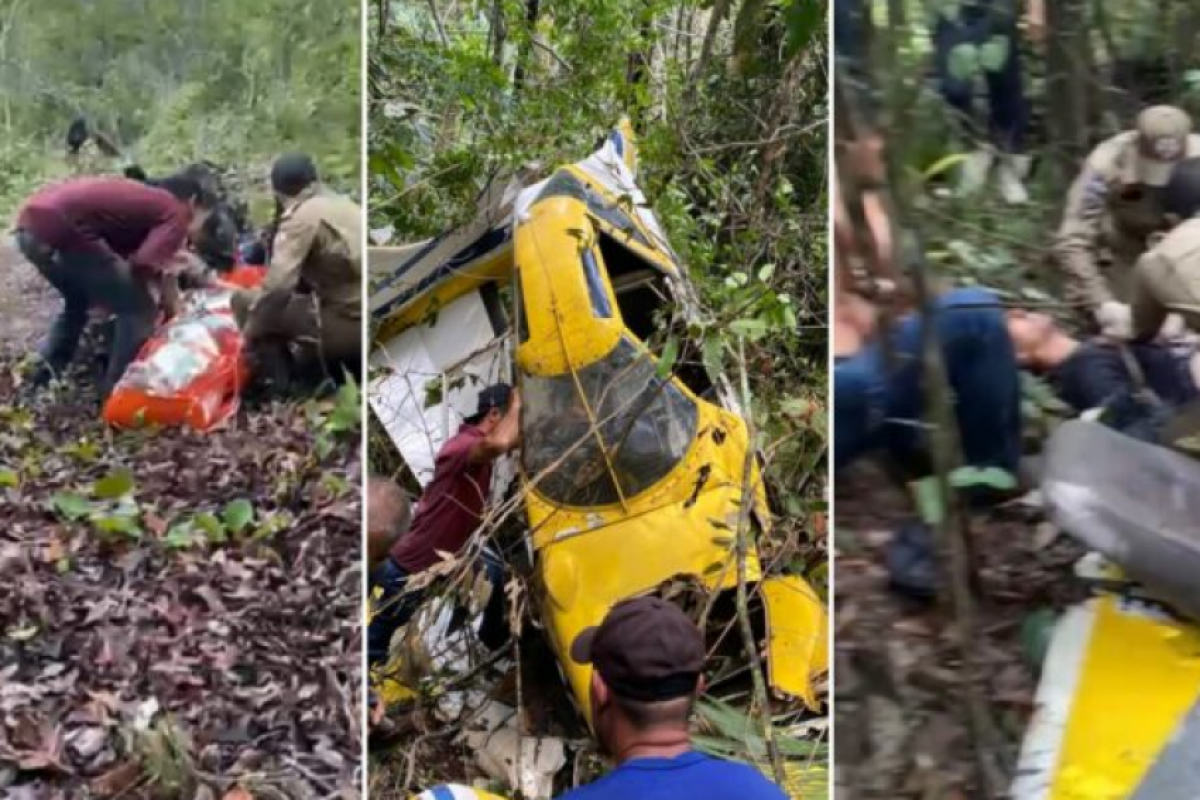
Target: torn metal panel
1120 678
430 376
1136 503
797 636
1176 774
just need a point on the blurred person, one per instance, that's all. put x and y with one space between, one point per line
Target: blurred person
1114 209
111 243
1166 280
388 517
1138 387
881 406
448 514
978 24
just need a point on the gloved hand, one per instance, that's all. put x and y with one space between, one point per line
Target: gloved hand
1115 320
1173 328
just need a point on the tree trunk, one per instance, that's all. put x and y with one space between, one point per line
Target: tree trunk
533 10
499 32
1070 89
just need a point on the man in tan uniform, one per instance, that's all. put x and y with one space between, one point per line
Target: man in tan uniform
1167 278
1114 207
306 319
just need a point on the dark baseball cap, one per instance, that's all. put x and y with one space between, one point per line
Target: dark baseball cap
292 173
645 649
495 396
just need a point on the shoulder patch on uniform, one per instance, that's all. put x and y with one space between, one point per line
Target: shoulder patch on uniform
1095 191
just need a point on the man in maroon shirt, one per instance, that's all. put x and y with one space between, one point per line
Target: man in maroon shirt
108 242
448 514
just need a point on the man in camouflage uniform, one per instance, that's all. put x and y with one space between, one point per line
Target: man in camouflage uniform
1115 207
306 319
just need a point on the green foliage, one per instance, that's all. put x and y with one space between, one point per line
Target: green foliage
110 508
804 18
931 504
983 477
237 516
339 420
174 82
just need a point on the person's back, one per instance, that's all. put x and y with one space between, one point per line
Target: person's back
451 505
1168 281
691 776
84 214
333 266
1167 278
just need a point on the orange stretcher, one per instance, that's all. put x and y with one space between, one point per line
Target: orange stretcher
190 372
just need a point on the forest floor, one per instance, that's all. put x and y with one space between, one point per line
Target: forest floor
432 747
209 648
899 704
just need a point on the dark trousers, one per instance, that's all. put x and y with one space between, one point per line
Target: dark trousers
1008 116
85 280
849 33
396 607
877 409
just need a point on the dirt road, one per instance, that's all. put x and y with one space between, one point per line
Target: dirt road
27 303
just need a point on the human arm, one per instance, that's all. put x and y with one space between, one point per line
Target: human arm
169 290
504 438
1147 309
1035 21
1078 237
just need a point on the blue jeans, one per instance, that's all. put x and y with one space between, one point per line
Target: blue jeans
396 607
849 33
874 409
1007 106
87 279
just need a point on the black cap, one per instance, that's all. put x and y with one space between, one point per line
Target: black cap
292 173
495 396
645 649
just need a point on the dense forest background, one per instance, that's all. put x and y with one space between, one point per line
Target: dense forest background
171 83
1087 73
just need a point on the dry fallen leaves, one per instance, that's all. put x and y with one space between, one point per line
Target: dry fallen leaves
249 648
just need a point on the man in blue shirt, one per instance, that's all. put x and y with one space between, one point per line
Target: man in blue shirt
648 662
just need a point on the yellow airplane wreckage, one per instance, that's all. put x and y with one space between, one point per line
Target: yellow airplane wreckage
631 476
1118 705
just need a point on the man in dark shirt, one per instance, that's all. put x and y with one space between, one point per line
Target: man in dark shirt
448 514
108 242
1137 385
648 671
980 25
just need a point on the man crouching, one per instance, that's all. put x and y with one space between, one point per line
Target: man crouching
304 324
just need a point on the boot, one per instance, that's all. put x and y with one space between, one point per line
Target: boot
975 170
1010 178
